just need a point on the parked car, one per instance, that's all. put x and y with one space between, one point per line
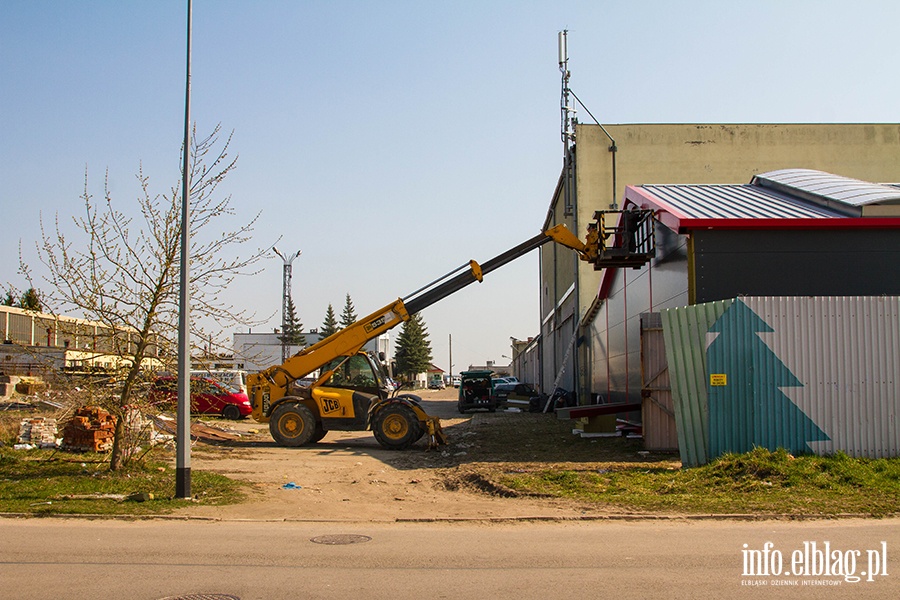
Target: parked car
495 381
436 384
475 391
454 381
515 393
208 396
233 377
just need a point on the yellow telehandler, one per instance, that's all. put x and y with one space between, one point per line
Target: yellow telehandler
351 392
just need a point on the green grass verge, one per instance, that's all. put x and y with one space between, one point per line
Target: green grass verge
51 482
759 482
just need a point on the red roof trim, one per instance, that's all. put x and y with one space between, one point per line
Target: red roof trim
681 223
686 225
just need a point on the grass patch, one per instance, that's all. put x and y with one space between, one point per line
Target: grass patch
53 482
760 482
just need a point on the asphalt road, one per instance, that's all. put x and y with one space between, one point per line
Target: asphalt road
153 559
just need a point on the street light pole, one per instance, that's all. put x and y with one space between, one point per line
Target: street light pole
285 297
183 413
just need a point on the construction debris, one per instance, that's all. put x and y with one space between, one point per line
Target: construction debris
38 431
139 497
96 496
7 385
198 430
135 497
28 387
90 430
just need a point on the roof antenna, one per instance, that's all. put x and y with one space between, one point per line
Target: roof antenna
567 123
567 113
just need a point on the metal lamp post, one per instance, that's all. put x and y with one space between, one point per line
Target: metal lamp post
285 297
183 430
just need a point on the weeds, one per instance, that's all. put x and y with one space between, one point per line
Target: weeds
47 481
756 482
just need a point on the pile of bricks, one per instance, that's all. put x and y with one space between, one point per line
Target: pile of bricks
40 431
90 430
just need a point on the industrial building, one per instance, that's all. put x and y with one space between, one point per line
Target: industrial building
786 235
36 342
798 242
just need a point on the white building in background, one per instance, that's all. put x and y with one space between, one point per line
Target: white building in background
258 351
38 342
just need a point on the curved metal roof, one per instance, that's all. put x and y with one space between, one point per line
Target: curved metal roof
821 187
791 198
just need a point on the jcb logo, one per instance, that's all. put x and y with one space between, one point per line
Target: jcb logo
373 325
330 405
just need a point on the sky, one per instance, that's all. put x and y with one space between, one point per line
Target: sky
393 141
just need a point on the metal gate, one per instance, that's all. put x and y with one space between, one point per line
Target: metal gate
657 406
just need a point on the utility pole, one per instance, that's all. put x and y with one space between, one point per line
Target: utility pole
285 297
451 359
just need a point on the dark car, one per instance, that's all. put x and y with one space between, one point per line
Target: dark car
475 391
515 393
208 396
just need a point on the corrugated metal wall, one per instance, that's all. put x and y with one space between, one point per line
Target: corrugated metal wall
845 353
685 330
818 374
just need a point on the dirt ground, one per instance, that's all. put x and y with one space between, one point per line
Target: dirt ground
348 476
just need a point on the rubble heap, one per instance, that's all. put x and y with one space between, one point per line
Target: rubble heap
40 431
90 430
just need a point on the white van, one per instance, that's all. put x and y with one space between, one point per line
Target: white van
234 377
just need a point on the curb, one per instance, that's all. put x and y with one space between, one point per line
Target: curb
523 519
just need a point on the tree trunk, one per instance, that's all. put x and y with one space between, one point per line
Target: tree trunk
118 458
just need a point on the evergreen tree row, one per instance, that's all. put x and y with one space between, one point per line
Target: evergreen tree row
413 348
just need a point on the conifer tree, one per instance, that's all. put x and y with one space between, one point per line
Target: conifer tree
413 354
348 317
293 328
329 325
29 300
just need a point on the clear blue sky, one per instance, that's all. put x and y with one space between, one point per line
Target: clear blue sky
393 141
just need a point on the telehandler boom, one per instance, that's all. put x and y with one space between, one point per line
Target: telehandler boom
351 392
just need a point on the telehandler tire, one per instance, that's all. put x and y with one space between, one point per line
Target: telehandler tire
318 434
292 425
397 427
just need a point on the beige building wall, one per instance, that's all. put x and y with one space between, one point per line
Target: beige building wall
684 153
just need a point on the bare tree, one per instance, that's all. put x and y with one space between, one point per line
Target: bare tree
124 272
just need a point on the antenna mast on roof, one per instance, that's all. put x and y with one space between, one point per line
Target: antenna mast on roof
567 112
567 120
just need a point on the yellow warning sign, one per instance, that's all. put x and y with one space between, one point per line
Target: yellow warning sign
718 379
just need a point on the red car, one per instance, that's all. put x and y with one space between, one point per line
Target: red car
208 396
